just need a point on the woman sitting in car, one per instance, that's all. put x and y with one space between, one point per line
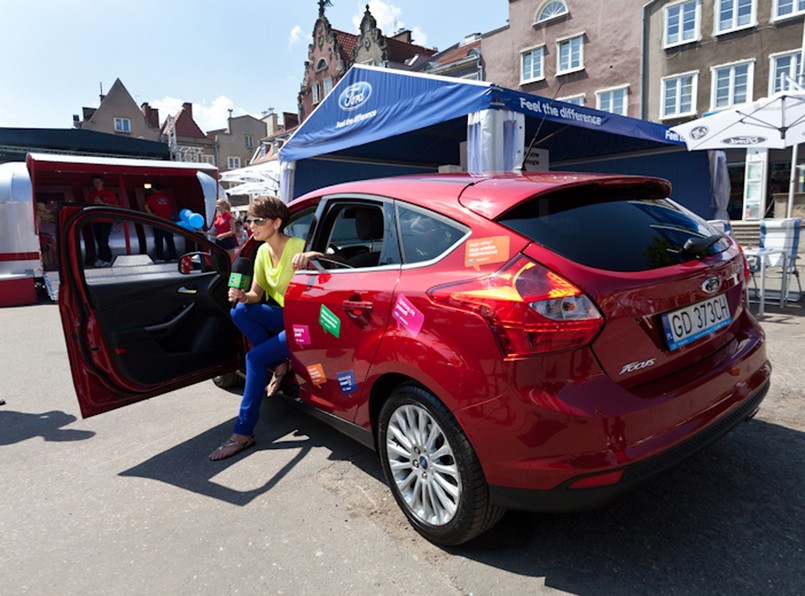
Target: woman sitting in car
262 321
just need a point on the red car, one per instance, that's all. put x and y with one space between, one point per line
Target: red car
540 342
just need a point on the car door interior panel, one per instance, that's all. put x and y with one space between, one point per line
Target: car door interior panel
170 332
158 321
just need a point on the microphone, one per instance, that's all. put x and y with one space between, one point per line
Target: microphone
241 276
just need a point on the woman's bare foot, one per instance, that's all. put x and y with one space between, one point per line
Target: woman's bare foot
233 445
276 379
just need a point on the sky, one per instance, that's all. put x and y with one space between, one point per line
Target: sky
57 56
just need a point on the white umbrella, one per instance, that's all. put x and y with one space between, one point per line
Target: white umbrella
254 188
773 122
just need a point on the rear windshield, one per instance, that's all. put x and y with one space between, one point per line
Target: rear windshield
612 231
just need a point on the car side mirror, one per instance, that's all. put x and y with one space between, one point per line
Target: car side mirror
195 262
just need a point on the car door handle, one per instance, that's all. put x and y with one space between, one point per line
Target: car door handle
185 290
355 306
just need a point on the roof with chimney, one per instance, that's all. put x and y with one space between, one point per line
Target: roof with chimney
184 123
400 52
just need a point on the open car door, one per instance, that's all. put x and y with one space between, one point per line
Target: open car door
140 328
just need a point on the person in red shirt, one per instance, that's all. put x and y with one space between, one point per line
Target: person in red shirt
162 205
224 227
102 227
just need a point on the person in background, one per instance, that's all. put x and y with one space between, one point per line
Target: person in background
277 258
102 227
161 205
241 234
224 227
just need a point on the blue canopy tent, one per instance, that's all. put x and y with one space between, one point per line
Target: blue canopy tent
380 122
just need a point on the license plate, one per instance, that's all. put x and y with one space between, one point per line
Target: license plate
686 325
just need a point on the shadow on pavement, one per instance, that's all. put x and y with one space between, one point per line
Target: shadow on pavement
16 427
729 521
186 465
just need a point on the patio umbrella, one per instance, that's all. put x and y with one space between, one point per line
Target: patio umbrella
773 122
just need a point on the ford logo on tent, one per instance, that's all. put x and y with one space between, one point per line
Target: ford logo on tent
744 140
355 96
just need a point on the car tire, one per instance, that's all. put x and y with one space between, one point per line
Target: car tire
432 469
226 380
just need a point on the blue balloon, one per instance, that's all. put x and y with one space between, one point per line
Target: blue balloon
185 225
196 220
184 214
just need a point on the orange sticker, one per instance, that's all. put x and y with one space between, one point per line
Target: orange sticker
317 376
494 249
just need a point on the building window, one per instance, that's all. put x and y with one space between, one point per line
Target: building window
209 159
682 22
551 10
678 93
576 100
122 125
570 54
784 70
531 65
788 8
232 163
734 14
613 100
328 85
732 85
316 91
321 65
249 142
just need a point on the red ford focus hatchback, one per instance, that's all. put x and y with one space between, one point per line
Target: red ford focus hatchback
540 342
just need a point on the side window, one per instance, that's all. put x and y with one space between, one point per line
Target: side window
359 234
299 224
425 236
123 249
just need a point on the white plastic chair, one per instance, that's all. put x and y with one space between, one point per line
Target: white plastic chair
782 234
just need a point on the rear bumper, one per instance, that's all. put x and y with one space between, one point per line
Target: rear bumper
564 498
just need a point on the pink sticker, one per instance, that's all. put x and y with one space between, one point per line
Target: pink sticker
301 335
407 316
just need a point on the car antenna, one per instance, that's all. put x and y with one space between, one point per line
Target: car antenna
522 167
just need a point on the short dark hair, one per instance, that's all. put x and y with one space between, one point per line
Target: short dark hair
270 207
97 177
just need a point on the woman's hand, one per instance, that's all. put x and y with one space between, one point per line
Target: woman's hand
237 295
302 260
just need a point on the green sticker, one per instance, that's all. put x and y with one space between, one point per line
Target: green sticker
329 321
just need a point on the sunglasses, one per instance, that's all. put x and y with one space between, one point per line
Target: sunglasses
258 221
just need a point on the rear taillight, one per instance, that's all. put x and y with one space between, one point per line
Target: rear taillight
531 309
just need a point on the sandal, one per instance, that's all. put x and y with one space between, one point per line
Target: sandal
230 447
275 383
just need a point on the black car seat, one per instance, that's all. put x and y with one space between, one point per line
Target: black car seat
369 227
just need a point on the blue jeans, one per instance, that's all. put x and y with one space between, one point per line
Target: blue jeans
262 324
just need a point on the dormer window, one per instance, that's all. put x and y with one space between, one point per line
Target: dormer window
321 65
122 125
551 10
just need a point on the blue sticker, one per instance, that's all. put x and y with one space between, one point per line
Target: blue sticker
347 382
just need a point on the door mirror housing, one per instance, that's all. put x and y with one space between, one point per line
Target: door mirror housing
195 262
